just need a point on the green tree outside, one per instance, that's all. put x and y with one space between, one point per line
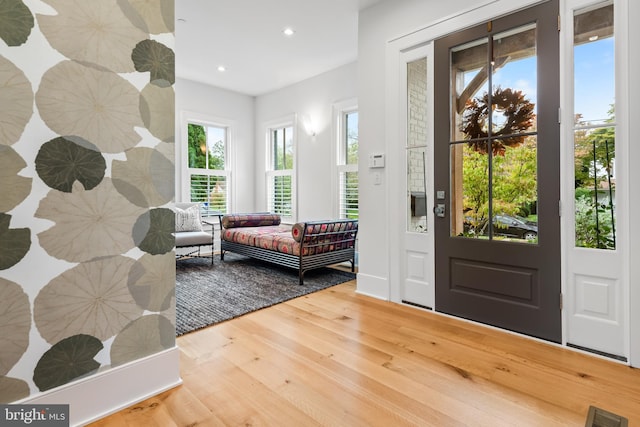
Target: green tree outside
515 185
203 154
594 155
351 178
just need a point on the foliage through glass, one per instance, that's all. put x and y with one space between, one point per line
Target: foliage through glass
594 128
494 162
206 154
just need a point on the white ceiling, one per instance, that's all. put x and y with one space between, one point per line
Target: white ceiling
246 37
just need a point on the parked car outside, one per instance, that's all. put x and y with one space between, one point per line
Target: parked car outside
511 226
503 225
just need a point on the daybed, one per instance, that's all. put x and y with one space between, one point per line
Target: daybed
303 246
189 232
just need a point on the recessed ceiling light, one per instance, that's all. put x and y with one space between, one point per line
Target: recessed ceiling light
222 68
593 38
288 31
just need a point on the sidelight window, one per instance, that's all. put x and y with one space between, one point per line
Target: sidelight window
416 146
594 127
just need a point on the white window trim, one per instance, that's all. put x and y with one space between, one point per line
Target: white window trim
339 110
286 121
182 169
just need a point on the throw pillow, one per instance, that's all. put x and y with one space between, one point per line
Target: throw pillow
188 219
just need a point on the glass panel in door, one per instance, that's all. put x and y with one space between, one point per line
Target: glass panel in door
493 149
416 146
594 127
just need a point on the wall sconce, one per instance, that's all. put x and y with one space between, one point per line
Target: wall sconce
309 128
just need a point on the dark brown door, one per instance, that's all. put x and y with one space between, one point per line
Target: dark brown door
497 173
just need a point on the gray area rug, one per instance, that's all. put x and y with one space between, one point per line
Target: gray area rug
207 294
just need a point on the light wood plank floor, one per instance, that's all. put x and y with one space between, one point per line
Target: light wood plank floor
335 358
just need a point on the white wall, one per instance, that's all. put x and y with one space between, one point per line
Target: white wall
378 25
203 100
312 98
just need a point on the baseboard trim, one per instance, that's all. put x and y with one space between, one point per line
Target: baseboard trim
114 389
372 286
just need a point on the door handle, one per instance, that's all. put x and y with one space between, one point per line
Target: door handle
439 210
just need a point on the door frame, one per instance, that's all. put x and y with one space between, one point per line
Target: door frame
394 51
409 38
631 61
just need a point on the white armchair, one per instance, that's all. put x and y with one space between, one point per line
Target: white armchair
190 232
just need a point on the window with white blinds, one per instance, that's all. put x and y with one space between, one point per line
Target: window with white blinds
347 167
209 179
280 174
210 189
280 193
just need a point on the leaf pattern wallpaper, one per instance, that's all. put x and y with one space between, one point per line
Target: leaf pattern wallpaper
87 270
93 103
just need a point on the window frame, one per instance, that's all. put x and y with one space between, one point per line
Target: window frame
340 112
183 158
595 125
271 173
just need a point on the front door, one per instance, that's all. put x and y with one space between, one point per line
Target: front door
497 173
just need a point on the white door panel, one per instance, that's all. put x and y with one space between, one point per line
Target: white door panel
595 304
418 285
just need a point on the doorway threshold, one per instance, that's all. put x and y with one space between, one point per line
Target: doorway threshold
598 352
417 305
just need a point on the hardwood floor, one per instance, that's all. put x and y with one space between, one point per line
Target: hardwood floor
336 358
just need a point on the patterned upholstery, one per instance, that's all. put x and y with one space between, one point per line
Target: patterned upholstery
275 238
320 236
250 220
